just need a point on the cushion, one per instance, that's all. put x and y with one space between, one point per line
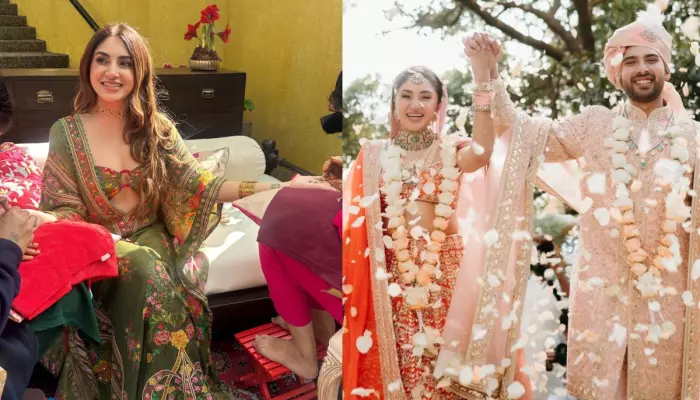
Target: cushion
246 160
254 206
20 177
232 251
213 161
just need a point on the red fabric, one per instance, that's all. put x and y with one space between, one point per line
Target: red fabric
338 221
71 253
20 177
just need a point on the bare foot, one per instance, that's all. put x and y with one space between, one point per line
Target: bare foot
284 351
278 320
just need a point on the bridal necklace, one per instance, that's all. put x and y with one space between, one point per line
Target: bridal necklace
415 141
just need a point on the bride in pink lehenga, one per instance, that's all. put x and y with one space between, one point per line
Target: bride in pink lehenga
421 287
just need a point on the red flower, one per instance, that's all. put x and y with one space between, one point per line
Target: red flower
210 14
224 34
191 31
161 338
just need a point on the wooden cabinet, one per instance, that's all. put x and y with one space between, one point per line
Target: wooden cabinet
203 104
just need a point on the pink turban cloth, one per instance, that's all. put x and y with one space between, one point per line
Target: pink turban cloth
647 31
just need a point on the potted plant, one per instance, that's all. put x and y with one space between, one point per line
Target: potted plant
205 57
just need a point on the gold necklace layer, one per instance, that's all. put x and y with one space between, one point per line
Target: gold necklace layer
110 113
415 141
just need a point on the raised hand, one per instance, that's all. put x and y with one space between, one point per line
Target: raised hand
483 52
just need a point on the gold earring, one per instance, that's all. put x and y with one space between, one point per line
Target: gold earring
396 114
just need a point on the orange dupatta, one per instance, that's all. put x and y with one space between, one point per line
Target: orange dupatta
359 370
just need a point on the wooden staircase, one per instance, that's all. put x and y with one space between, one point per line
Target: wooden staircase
19 46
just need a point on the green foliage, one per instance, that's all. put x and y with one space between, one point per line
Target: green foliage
554 89
363 100
248 105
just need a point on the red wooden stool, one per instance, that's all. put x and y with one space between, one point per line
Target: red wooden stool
269 371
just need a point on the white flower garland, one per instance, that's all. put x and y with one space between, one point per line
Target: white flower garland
670 173
418 280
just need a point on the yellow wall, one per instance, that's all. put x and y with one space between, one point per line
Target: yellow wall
290 50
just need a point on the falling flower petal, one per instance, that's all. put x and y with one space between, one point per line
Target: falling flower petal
695 274
491 237
394 386
602 215
479 332
466 375
362 392
585 205
690 28
382 275
394 289
358 222
364 342
596 183
601 383
619 335
687 298
516 390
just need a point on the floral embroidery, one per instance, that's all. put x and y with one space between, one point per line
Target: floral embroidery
124 268
133 345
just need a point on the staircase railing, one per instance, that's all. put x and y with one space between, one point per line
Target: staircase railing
86 15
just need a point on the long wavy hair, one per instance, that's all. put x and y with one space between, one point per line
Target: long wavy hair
149 132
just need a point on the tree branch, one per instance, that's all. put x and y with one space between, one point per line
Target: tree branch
555 7
489 19
554 25
585 29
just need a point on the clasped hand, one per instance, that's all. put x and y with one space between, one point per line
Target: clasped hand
484 53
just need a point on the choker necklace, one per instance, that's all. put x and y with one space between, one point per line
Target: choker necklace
415 141
110 113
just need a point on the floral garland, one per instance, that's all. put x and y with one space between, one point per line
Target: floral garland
418 280
670 173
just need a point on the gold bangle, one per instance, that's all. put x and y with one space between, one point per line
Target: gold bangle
481 107
245 189
483 88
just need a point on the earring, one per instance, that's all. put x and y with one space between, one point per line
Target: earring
396 114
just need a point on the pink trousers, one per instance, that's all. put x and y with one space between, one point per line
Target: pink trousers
295 290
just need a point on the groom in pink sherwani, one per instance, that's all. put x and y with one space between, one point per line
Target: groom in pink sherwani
634 286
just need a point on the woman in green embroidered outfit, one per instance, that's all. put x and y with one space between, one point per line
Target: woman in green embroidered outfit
120 163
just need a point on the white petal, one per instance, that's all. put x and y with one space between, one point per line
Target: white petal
394 290
362 392
516 390
687 298
429 188
491 237
358 222
466 375
601 383
596 183
695 274
602 215
394 386
619 335
364 342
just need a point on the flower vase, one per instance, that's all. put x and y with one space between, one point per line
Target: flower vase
204 65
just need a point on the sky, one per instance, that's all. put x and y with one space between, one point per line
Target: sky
367 50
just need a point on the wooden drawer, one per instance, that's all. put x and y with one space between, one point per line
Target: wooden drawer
47 95
193 122
215 91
